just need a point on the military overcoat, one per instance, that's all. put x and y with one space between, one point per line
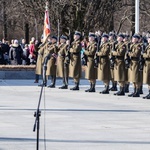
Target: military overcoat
90 71
133 72
104 63
51 51
62 50
119 66
75 60
146 69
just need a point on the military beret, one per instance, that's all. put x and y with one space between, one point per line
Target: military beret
54 37
121 35
63 37
136 36
105 35
77 33
126 36
91 35
111 34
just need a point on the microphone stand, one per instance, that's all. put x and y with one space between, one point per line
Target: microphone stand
37 114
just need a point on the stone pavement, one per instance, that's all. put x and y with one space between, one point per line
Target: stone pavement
72 120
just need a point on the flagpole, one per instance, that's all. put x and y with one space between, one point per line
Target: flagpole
137 16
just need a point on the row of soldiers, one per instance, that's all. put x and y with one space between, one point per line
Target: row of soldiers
119 60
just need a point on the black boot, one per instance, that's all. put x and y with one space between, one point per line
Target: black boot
76 88
147 96
89 88
121 92
137 93
114 86
106 91
53 81
141 89
65 86
126 88
93 88
130 95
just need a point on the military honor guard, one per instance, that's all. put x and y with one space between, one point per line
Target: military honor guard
146 69
134 73
128 44
51 52
62 68
75 60
104 63
112 42
90 71
40 59
119 65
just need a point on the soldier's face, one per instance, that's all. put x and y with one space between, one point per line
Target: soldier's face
119 39
76 37
104 39
110 37
53 40
62 40
134 40
91 38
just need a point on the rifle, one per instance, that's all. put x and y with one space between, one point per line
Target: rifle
113 58
68 50
142 60
96 57
128 59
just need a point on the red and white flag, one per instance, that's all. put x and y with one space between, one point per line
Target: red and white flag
47 29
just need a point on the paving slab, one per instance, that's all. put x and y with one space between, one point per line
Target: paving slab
72 120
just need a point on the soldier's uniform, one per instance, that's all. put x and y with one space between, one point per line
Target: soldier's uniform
90 70
51 52
141 71
111 43
39 64
75 62
104 65
134 73
119 66
128 44
62 69
146 69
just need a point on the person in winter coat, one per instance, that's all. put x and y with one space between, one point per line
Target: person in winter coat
16 54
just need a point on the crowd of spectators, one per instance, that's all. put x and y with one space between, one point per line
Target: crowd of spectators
18 53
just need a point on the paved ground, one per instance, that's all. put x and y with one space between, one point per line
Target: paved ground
73 120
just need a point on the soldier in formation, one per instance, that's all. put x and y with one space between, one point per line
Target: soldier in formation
62 67
90 70
118 60
75 60
146 69
134 73
104 63
119 65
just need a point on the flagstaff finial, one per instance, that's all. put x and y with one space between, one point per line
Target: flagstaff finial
46 5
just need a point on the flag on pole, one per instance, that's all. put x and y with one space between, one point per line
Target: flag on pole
47 30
